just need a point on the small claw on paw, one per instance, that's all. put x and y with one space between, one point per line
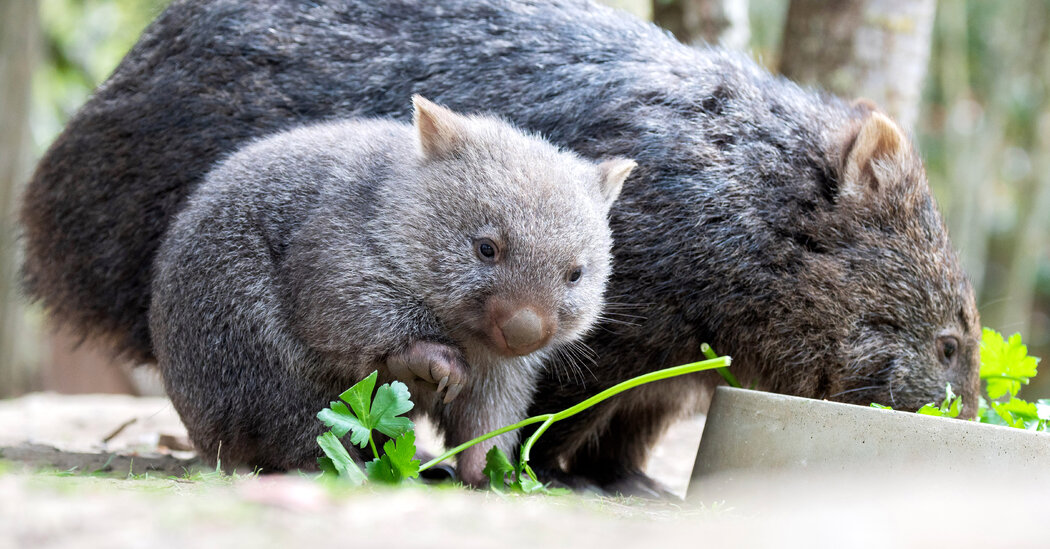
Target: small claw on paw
453 392
442 383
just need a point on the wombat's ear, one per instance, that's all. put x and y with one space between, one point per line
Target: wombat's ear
440 130
614 172
879 146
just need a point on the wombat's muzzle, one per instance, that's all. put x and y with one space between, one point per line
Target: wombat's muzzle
519 331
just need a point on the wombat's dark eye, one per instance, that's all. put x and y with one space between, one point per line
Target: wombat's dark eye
486 249
947 349
575 275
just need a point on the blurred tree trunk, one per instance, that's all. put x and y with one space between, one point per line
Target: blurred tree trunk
972 145
722 22
68 367
877 49
74 366
1013 295
1032 237
19 50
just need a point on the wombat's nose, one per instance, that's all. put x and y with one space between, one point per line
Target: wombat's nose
524 331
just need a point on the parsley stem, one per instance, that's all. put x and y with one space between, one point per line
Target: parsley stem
532 439
728 376
372 443
548 419
675 371
483 438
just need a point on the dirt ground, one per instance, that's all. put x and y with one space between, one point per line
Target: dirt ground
143 434
65 482
102 470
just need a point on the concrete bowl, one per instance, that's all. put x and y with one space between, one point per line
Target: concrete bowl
751 432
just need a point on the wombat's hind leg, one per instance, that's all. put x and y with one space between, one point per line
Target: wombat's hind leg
613 461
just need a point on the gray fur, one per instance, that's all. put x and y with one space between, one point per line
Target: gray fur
308 259
738 228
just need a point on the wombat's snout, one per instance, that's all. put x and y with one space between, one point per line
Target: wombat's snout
520 330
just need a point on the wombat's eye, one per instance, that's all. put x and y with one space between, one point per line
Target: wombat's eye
575 275
486 250
947 349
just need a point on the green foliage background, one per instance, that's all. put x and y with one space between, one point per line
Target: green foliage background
84 40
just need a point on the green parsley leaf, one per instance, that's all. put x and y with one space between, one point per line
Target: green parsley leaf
391 401
520 479
949 407
528 482
366 413
1021 414
359 396
396 464
930 410
497 467
987 414
342 421
1005 364
327 467
338 462
1019 408
955 408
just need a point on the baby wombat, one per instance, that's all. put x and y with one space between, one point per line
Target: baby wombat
452 257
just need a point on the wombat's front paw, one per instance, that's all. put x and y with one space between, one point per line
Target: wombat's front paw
433 363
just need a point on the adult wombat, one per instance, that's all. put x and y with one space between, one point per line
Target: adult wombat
444 256
792 230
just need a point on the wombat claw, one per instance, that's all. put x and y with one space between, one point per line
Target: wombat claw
453 392
432 363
